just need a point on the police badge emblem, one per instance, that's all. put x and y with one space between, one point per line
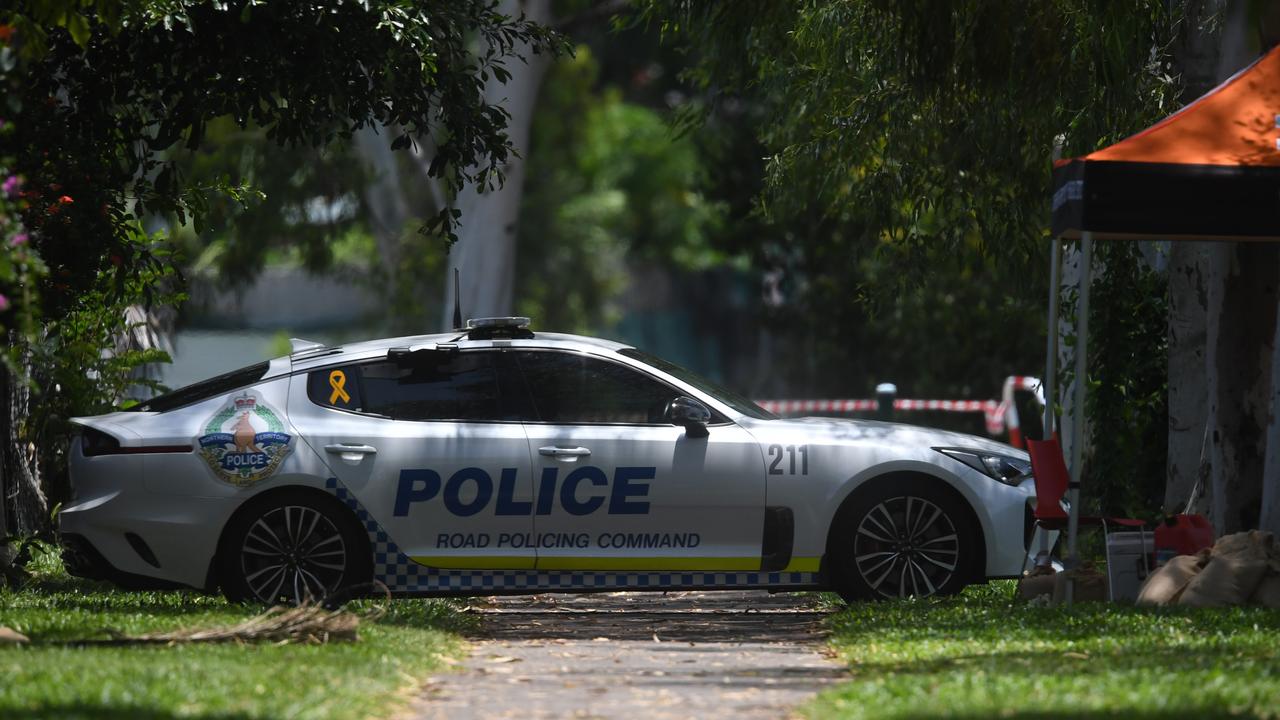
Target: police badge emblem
244 442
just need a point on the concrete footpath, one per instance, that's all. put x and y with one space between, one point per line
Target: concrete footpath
733 654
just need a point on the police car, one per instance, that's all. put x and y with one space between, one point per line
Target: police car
498 460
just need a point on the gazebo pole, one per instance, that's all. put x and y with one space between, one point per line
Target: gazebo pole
1051 353
1077 409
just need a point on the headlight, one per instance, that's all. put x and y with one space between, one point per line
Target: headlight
1004 468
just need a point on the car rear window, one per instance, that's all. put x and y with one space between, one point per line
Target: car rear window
205 389
431 386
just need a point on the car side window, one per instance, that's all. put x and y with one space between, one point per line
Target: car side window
575 388
427 386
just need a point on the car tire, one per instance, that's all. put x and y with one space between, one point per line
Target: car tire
905 538
293 547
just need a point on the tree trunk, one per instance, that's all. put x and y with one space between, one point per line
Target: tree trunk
1067 323
24 508
387 206
1269 513
6 558
485 253
1188 399
1241 333
1269 517
1243 279
1197 57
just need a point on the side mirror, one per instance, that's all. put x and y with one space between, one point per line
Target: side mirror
692 415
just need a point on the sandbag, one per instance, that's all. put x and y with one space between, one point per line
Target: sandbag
1036 585
1091 586
1267 594
1169 580
1254 542
1229 578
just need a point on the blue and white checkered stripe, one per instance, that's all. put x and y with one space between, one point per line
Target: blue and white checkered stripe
401 574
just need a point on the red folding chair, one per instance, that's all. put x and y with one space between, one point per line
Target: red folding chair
1050 472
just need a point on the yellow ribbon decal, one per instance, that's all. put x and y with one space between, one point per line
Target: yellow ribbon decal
338 381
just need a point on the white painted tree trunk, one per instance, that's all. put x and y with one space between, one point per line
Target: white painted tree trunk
485 253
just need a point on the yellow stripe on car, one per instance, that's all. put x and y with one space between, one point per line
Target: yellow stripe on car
803 564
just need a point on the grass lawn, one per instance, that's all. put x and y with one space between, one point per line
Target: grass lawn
985 655
338 680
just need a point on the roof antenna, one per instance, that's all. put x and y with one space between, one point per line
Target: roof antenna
457 302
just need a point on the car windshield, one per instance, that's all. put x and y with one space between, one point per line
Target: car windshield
724 395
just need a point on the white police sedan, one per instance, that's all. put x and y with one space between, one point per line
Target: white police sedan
498 460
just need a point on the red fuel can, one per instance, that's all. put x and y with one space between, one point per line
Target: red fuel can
1182 535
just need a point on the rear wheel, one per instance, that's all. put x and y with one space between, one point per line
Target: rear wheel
908 538
292 548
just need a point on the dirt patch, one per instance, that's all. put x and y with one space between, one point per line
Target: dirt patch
741 654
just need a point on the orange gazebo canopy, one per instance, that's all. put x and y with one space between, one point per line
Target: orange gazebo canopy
1209 171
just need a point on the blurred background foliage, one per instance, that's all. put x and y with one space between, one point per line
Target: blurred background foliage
304 210
609 183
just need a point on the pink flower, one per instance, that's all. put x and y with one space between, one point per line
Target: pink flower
19 240
4 303
11 185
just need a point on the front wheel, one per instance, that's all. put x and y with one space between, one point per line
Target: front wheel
292 548
907 538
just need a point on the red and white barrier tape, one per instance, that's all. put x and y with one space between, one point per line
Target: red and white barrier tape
991 409
1008 413
788 407
997 413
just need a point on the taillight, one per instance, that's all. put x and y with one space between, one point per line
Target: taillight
95 442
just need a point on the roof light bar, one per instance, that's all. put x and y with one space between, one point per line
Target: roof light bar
518 323
505 328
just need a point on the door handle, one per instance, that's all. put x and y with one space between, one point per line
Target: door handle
356 449
564 452
351 454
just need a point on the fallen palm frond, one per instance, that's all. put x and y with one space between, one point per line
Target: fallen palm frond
311 623
305 624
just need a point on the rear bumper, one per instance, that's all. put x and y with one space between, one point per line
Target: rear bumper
83 560
135 537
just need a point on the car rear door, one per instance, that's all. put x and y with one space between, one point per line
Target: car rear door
619 488
431 445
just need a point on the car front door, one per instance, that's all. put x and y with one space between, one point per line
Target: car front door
431 445
620 488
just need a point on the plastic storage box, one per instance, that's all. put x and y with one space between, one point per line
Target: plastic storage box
1128 563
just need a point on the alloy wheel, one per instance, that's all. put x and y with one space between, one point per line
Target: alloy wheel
293 553
906 546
